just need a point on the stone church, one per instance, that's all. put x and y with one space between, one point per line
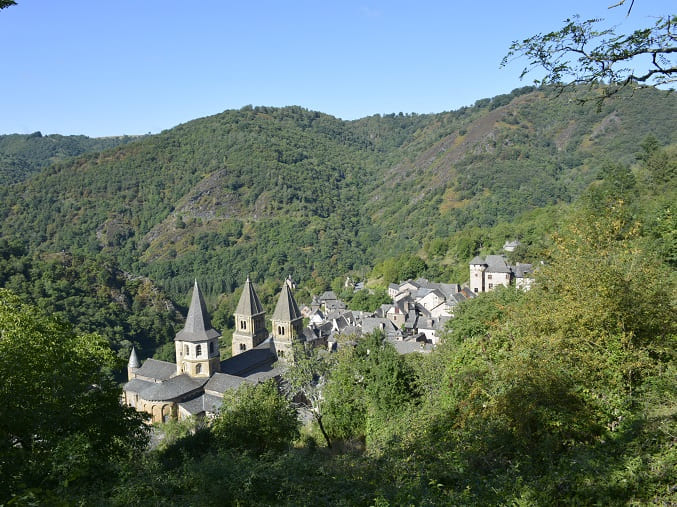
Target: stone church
196 383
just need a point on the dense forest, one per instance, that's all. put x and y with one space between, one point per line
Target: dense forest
563 394
23 155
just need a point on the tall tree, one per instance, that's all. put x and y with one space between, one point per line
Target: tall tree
61 419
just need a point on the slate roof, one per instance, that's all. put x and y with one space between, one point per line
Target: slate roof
249 361
375 323
157 370
350 331
172 388
133 359
286 309
249 303
137 385
334 304
262 376
521 270
328 295
477 260
409 346
497 264
222 382
198 326
201 404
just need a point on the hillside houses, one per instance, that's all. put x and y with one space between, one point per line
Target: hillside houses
412 322
487 273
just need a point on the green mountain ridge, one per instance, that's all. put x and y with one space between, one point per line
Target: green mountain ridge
276 191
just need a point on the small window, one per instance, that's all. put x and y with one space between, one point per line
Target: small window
198 350
211 347
475 289
243 324
281 353
198 368
243 347
185 350
491 285
489 277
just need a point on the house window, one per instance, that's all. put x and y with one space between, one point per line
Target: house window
280 330
198 368
243 324
185 350
281 353
243 347
489 277
211 347
198 350
475 289
491 285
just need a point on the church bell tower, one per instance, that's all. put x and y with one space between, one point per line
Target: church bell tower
197 344
250 321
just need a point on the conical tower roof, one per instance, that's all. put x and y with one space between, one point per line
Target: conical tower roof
249 304
286 310
198 327
133 360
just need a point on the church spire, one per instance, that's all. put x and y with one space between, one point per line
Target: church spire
249 304
133 359
286 309
198 327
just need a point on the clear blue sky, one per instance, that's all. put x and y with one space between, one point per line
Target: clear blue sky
104 67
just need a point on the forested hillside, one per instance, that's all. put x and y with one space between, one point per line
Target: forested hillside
270 192
23 155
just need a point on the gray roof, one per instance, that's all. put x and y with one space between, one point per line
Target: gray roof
262 376
334 305
521 270
133 359
328 295
201 404
249 361
157 370
350 331
198 327
286 309
477 260
409 346
249 304
372 324
173 388
222 382
497 264
137 385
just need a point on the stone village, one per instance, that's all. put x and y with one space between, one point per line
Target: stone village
196 383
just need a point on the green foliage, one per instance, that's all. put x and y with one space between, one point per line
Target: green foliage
61 420
94 295
23 155
255 418
369 383
367 300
